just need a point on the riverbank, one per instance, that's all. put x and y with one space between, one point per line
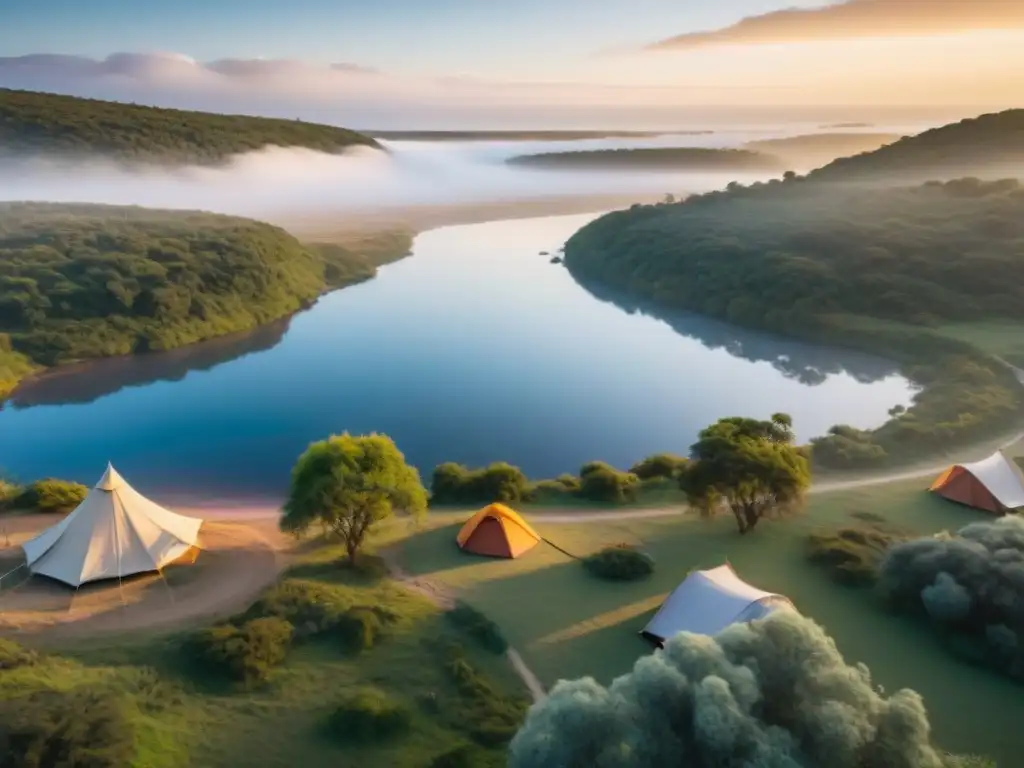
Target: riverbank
351 251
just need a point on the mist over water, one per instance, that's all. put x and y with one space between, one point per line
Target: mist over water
276 183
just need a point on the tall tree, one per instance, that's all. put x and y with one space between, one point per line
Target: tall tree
748 466
350 483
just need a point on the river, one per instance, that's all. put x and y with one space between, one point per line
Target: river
475 349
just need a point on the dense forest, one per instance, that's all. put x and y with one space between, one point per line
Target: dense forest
87 281
990 146
47 124
870 269
653 159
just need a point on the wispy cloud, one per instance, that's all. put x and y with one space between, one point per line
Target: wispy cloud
857 19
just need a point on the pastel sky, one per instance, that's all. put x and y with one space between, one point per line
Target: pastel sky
528 52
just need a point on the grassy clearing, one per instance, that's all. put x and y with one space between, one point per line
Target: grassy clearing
567 624
182 714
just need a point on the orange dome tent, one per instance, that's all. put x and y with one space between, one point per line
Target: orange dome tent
497 531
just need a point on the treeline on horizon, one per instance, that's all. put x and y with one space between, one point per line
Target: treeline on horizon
87 281
51 125
815 261
653 158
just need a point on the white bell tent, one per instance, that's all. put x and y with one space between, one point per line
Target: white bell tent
709 601
114 532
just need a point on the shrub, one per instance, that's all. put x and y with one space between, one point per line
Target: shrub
603 483
488 717
455 484
65 728
50 495
479 627
970 584
368 715
359 629
466 756
13 655
246 653
620 563
311 607
665 465
851 554
770 692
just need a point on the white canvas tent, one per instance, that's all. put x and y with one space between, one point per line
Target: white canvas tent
114 532
709 601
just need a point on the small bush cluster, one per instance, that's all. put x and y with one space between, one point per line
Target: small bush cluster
603 483
245 653
455 484
479 627
485 715
359 629
970 584
50 495
467 756
620 563
65 728
369 715
852 555
661 465
13 655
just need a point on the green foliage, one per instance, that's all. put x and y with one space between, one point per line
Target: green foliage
810 259
369 715
466 756
620 563
660 465
487 717
851 554
245 653
603 483
52 125
499 482
970 585
51 729
359 629
13 655
84 281
656 158
763 693
49 495
985 145
748 466
478 626
348 484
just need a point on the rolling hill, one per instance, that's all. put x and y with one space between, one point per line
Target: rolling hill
79 282
50 125
802 153
989 146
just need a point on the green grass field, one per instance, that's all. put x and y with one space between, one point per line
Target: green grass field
181 718
567 624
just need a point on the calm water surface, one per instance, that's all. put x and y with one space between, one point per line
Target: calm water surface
476 349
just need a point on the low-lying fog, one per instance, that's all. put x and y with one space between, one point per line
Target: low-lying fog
279 184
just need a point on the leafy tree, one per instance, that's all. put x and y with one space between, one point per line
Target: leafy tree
348 484
751 467
774 692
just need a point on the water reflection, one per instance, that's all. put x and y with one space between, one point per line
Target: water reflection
81 384
809 364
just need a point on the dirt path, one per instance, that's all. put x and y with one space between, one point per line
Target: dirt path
236 563
444 599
